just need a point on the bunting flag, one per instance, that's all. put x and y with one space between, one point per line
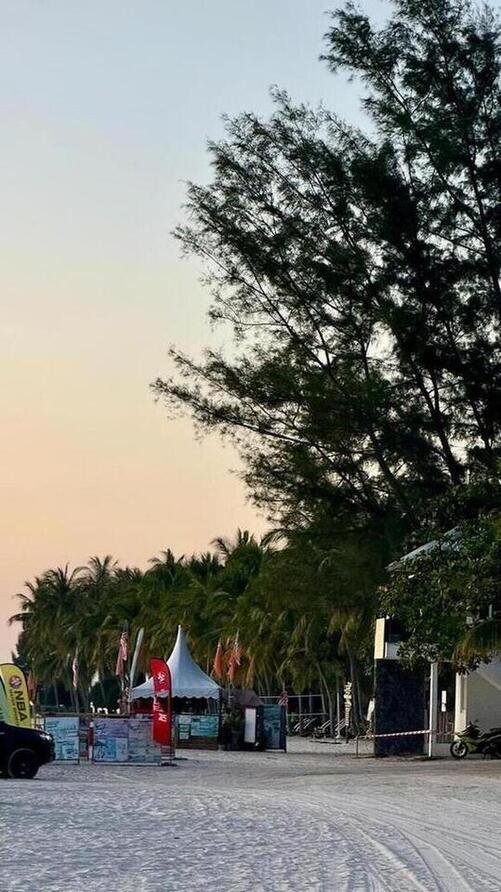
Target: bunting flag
162 687
217 666
75 668
123 653
234 658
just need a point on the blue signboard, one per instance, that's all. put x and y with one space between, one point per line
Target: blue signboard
142 747
197 726
111 740
274 727
65 731
204 726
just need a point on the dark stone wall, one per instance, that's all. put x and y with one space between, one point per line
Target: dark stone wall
399 706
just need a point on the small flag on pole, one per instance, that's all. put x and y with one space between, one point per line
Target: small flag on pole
217 666
234 659
75 668
31 683
123 652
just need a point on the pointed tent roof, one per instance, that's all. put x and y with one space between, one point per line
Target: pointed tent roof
188 680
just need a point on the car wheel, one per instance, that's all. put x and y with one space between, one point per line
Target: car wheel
23 763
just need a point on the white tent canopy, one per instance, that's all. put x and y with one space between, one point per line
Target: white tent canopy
188 680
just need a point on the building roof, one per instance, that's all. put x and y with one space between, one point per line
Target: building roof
446 542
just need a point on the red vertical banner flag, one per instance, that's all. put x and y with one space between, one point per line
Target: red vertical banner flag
162 687
162 724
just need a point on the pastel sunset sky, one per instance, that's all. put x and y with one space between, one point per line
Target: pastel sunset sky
106 107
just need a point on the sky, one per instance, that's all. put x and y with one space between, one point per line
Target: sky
106 109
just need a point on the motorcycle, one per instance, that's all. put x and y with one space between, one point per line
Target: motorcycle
472 741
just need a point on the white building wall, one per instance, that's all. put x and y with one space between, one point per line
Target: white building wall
484 702
478 697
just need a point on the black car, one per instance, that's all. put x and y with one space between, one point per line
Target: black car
23 750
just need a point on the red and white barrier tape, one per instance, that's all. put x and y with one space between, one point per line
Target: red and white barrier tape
394 734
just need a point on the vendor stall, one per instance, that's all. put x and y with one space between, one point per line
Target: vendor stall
196 698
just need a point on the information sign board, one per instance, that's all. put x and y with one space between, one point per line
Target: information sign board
184 726
204 726
274 727
142 747
65 731
110 740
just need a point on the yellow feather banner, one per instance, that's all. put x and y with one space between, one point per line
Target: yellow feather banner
14 684
5 715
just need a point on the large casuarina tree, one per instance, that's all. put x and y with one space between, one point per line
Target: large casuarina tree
359 276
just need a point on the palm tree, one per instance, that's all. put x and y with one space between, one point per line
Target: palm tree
303 611
46 616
